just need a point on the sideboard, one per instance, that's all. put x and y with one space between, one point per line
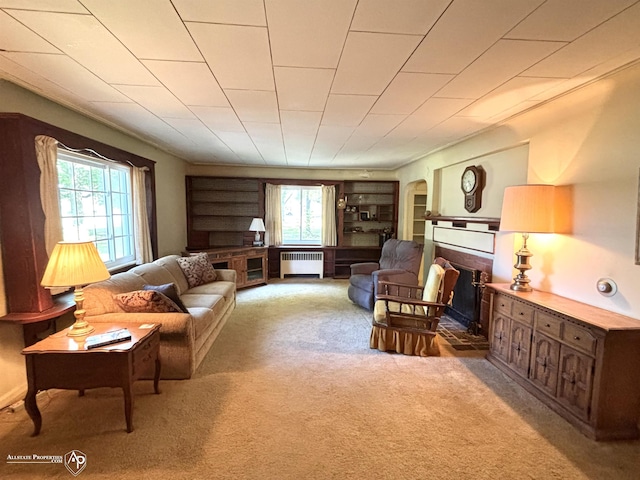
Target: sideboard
581 361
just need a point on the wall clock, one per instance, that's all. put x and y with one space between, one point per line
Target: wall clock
472 183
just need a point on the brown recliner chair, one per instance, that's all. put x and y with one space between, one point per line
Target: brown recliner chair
400 262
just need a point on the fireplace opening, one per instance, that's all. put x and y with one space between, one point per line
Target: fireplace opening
467 296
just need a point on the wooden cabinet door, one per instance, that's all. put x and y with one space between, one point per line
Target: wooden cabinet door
520 347
543 370
239 264
500 329
575 381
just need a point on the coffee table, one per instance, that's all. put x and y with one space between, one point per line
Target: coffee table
60 361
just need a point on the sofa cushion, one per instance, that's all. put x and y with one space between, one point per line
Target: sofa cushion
226 289
145 301
170 264
99 297
170 291
197 269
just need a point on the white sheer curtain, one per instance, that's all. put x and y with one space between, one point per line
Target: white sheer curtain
47 154
142 235
273 214
329 235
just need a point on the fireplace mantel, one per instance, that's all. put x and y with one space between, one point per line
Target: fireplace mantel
492 222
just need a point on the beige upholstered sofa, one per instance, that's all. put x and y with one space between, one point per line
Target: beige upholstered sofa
185 338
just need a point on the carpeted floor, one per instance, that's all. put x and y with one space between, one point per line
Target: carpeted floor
291 390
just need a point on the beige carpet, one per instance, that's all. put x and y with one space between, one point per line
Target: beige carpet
291 390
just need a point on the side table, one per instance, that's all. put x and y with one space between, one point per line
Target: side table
60 361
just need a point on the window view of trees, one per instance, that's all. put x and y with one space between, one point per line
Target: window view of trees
301 215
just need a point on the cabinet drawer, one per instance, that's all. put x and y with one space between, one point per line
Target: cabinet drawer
579 337
522 312
146 354
503 304
549 325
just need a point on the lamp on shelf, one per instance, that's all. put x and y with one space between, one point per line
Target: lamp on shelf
75 264
527 209
257 225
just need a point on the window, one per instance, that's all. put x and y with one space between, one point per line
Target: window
301 215
96 204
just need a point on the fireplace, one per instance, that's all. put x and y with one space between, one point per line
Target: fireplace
468 306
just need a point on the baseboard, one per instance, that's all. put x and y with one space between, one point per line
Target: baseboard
16 394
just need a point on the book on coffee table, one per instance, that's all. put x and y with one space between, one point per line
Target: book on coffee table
108 338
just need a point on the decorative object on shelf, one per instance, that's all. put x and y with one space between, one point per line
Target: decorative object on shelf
342 203
364 216
527 209
472 183
257 225
75 264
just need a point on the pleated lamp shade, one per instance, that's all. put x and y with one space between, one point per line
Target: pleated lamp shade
528 209
73 264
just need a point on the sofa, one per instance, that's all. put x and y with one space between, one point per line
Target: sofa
186 335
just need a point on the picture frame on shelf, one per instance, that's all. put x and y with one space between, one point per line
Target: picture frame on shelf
364 216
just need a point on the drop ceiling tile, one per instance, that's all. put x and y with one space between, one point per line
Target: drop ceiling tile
264 132
300 123
236 12
566 20
303 88
158 100
254 106
465 31
604 42
347 110
408 91
218 119
15 37
309 33
249 67
298 149
410 16
195 131
430 114
458 127
241 145
506 59
513 110
378 125
273 155
66 73
69 6
193 83
88 42
161 36
370 61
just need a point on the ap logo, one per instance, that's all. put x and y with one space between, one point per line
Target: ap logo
75 461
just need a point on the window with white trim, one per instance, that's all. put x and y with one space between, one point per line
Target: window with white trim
301 214
96 204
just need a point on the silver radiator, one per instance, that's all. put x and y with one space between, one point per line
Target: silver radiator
301 263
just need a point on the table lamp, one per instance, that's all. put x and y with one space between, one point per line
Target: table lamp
75 264
527 209
257 225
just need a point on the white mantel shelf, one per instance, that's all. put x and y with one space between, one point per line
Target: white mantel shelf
492 222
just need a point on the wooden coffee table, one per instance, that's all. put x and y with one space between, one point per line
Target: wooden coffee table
62 362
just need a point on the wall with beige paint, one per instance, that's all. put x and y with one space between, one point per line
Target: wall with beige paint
588 141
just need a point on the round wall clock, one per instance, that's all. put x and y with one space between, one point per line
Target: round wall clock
472 183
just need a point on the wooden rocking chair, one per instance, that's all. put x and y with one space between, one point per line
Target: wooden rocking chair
405 317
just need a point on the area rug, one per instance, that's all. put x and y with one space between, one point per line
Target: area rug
458 336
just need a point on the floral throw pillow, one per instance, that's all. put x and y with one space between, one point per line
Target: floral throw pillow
145 301
197 269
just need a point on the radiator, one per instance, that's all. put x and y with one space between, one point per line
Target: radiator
301 263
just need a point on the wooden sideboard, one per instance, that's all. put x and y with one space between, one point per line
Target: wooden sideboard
250 263
581 361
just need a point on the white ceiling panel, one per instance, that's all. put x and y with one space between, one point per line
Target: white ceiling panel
89 43
370 61
15 37
151 29
303 88
323 83
250 67
506 59
566 20
234 12
409 16
408 91
193 83
465 31
254 106
219 119
347 110
309 33
158 100
608 40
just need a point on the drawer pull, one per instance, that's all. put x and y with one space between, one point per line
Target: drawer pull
548 325
575 337
521 313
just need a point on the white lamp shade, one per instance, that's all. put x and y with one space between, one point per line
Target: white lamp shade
74 264
257 225
528 209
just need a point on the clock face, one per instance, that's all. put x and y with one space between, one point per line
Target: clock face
469 180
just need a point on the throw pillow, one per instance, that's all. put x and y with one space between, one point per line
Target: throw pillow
197 269
145 301
169 291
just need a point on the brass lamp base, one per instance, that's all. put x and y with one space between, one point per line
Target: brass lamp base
81 327
521 281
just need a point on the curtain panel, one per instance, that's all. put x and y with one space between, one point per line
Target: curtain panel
273 214
329 234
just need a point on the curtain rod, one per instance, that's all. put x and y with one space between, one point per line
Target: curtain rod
91 152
